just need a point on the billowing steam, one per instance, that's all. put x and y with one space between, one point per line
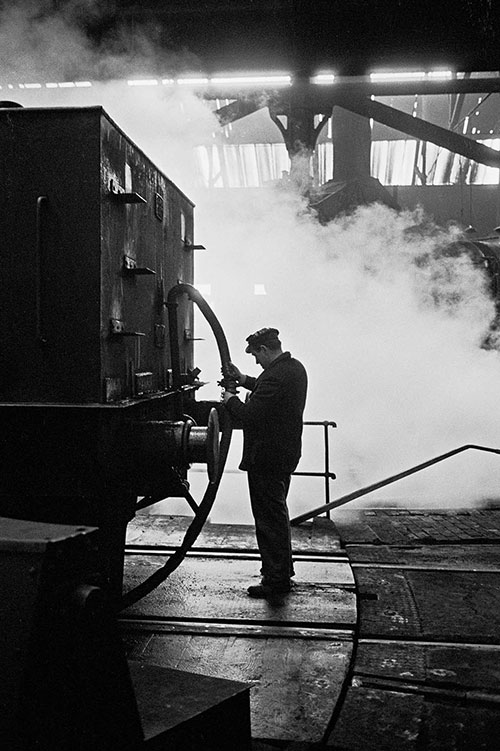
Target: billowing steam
391 331
48 38
389 328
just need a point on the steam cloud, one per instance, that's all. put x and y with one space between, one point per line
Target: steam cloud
389 329
49 38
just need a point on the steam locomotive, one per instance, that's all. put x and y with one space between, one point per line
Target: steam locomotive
485 253
98 384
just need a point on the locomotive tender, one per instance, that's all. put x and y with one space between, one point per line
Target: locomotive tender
98 384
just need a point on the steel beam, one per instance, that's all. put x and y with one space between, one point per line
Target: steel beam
237 109
320 97
355 96
423 130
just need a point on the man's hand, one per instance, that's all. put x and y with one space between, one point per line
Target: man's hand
233 372
226 395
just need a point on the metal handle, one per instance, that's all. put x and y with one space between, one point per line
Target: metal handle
41 208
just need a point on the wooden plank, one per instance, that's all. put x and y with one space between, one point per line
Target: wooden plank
295 682
208 588
148 529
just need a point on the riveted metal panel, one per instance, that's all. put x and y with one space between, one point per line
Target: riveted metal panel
92 238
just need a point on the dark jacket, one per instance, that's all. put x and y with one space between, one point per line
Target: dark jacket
272 417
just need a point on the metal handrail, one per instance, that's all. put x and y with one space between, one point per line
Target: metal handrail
325 424
382 483
326 472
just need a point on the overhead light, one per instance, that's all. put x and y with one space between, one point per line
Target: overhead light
259 289
143 82
61 85
440 74
192 81
275 80
398 76
411 75
51 85
323 78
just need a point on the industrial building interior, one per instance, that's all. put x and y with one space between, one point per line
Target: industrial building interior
175 176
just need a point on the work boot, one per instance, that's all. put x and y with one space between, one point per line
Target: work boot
263 592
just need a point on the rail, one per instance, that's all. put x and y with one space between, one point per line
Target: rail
382 483
326 474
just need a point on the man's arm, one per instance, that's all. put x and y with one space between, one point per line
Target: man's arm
260 403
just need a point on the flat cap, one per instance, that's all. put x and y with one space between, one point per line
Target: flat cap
262 336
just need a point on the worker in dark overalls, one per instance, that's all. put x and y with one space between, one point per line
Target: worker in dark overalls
272 435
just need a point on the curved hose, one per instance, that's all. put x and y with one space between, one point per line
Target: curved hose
220 337
207 502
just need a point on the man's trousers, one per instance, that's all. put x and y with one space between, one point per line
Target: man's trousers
268 495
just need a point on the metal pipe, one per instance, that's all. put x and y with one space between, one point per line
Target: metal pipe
382 483
41 206
327 467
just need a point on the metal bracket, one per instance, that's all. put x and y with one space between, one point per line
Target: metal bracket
188 337
188 246
130 267
117 328
119 194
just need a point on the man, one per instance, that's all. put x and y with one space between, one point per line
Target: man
272 434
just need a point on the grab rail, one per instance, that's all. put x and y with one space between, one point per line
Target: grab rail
382 483
326 472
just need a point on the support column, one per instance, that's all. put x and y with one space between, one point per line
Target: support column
300 135
351 134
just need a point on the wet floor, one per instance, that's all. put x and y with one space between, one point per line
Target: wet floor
390 639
